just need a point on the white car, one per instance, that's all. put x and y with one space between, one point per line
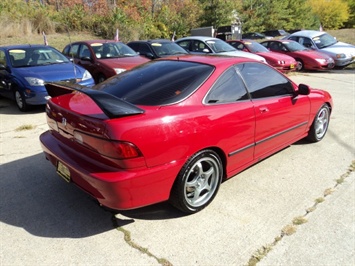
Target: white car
210 45
342 53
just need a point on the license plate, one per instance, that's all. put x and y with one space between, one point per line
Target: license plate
63 171
292 66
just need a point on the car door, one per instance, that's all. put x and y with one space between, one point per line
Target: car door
5 76
85 58
233 119
281 117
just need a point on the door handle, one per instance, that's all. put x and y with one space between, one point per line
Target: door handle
263 109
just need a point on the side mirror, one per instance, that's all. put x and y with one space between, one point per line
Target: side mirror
149 55
86 58
205 51
303 89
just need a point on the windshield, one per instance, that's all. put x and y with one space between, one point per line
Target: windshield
219 46
36 56
324 40
112 50
167 48
256 47
157 82
294 46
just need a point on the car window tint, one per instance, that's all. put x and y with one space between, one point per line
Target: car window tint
158 83
263 81
228 88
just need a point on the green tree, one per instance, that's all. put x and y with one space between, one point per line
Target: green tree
260 15
331 14
217 12
350 23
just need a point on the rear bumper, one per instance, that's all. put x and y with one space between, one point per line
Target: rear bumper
114 188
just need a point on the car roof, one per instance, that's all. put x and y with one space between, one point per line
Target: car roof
201 38
19 46
96 41
308 33
152 41
214 60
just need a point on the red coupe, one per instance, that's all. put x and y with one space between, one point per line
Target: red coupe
306 58
173 129
279 61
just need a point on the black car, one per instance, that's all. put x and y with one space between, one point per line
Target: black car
255 36
276 33
158 48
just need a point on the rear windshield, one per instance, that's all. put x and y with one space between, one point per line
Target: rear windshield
157 82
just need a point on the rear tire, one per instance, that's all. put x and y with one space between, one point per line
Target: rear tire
320 124
198 182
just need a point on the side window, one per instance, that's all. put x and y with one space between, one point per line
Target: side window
228 88
73 52
305 42
144 48
260 87
198 47
2 58
185 45
84 52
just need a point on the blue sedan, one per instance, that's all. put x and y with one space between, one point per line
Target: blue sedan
24 70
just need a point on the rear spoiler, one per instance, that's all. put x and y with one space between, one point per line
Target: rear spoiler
111 105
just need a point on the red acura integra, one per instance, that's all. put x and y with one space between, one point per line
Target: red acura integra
173 129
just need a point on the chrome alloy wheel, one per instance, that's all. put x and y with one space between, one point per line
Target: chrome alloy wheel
202 181
321 122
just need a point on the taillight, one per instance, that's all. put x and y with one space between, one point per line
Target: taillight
110 148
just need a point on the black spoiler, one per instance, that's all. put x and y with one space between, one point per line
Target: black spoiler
111 105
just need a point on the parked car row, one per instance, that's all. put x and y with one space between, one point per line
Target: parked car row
24 69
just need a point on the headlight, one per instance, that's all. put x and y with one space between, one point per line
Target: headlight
86 75
34 81
322 61
341 55
119 70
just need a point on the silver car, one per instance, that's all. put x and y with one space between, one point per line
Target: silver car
210 45
342 53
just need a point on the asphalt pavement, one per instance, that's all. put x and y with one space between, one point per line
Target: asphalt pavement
296 207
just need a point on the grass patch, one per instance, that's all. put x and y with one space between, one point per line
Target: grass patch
288 230
319 200
25 127
299 220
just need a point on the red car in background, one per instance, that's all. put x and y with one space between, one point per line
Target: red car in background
103 58
279 61
306 58
173 129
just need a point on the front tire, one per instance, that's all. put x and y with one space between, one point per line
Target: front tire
21 101
101 78
198 182
299 65
320 124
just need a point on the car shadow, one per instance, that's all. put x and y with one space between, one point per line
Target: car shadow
8 107
36 199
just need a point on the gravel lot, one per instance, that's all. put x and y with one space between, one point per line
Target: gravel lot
295 208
